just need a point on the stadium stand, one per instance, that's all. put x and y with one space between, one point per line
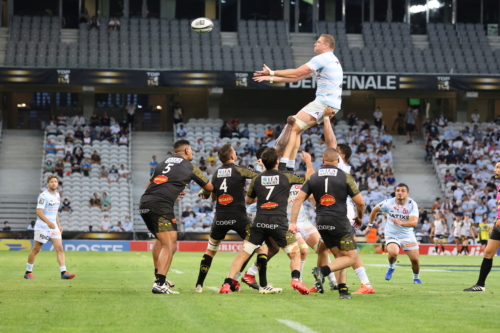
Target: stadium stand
79 189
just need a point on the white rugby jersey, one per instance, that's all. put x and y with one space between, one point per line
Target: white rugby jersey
403 213
456 226
466 225
439 227
303 217
252 210
329 78
50 204
351 212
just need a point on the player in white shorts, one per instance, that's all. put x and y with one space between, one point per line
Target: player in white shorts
455 231
438 231
402 214
466 233
47 228
329 77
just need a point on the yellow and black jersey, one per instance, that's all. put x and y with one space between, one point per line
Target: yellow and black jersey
170 178
271 188
330 187
229 186
484 231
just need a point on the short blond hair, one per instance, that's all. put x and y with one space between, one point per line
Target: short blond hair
50 177
328 40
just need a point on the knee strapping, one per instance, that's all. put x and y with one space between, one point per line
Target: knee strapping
250 248
291 248
317 245
302 125
303 246
212 246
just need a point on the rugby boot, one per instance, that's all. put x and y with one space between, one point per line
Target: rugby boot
269 290
417 281
29 276
225 289
170 284
319 279
198 289
235 286
250 281
388 274
333 285
67 276
300 287
364 289
344 293
475 288
162 289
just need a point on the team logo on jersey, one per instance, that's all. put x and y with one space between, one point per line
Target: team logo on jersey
41 201
396 207
225 199
327 200
174 160
270 180
222 173
327 172
160 179
405 211
173 220
269 205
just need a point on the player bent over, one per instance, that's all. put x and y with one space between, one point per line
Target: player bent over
402 214
48 227
492 246
328 72
271 189
157 207
330 187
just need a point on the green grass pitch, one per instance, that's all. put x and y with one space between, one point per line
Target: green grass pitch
112 293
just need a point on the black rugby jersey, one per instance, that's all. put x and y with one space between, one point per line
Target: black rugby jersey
330 187
229 185
170 178
271 188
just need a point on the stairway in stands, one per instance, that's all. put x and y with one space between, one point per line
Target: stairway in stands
303 47
20 170
410 168
144 146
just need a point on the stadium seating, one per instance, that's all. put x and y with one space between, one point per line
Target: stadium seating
79 188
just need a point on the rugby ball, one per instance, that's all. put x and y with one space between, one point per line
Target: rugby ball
202 25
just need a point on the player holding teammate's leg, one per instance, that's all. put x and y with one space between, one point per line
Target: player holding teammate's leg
328 72
157 207
402 214
47 228
492 246
271 188
229 186
330 187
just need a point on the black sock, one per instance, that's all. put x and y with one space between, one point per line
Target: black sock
325 270
485 270
296 274
442 248
63 272
205 264
228 281
342 288
160 279
437 249
156 271
289 169
27 272
262 266
282 166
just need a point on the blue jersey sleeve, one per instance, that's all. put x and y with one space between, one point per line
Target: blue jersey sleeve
317 62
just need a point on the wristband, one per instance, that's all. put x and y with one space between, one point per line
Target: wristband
370 225
271 73
326 118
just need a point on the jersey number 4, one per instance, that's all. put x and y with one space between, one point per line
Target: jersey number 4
223 186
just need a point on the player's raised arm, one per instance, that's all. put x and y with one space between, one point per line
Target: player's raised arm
306 158
251 195
330 139
303 70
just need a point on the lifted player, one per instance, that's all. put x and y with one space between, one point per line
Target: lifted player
271 189
492 246
402 214
329 75
48 227
157 207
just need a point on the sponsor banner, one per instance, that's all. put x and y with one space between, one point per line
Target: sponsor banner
187 246
88 245
15 245
429 249
243 80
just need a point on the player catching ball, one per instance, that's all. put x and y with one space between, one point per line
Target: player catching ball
329 75
48 227
492 246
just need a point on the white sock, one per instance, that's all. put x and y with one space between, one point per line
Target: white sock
29 267
392 265
361 273
253 270
284 160
302 263
237 277
416 276
331 276
62 269
290 164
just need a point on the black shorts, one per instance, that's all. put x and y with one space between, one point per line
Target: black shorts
410 127
438 236
159 217
495 234
224 222
339 234
264 226
483 242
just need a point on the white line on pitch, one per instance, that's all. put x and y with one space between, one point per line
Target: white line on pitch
296 326
176 271
213 288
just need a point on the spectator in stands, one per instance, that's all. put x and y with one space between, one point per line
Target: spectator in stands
115 128
59 146
51 128
211 168
433 133
94 134
79 156
117 228
178 114
122 140
94 120
377 117
372 182
95 201
186 211
206 221
103 173
238 148
211 158
84 16
225 131
69 139
87 140
190 221
79 120
152 164
113 174
105 120
217 145
127 225
48 167
309 148
95 158
68 158
94 23
78 134
59 167
61 119
475 116
351 119
86 166
105 224
114 24
105 135
6 226
65 206
269 132
123 172
390 179
448 177
75 166
200 146
106 202
50 148
410 124
181 131
245 133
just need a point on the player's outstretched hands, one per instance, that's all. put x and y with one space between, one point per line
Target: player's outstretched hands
265 71
292 227
261 78
328 112
306 157
51 225
181 196
497 224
